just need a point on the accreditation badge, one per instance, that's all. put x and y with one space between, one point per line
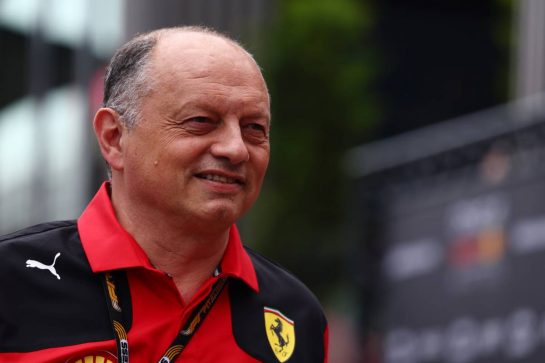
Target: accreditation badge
280 332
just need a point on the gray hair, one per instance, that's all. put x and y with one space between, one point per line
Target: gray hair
127 78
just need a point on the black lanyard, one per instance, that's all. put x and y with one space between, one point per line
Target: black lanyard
180 341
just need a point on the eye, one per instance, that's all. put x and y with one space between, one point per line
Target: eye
199 119
256 131
199 125
256 126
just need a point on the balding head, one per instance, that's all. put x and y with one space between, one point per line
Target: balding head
185 129
131 72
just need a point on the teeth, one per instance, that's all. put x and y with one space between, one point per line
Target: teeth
219 178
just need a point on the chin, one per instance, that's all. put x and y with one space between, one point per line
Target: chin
222 214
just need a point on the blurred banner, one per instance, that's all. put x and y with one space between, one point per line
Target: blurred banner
450 239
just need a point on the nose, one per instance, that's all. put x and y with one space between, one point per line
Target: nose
230 144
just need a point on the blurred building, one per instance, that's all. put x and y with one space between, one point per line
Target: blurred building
50 51
51 70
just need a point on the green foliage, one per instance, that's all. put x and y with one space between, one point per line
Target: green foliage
503 30
318 67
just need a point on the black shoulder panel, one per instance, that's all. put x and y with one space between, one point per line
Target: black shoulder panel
49 307
279 290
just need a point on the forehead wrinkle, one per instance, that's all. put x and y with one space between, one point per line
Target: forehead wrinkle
218 86
225 102
191 79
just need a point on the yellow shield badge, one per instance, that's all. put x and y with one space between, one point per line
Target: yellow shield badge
280 332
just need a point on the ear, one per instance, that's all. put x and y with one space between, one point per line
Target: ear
109 131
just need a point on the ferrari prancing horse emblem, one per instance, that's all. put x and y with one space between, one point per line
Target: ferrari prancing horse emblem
280 332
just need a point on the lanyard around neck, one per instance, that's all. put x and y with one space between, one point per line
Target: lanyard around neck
182 338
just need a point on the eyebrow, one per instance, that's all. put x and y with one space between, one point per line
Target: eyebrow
255 111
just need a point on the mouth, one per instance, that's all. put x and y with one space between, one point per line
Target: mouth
224 179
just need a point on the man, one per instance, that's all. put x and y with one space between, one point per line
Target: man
154 269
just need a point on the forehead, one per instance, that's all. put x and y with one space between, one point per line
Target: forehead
189 69
189 56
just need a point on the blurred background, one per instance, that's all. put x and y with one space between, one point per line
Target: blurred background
407 180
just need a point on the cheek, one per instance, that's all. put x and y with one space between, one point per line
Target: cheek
146 164
265 164
183 149
266 158
261 162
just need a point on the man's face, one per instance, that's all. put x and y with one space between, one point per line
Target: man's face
201 148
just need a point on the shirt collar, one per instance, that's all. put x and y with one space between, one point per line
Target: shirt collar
103 237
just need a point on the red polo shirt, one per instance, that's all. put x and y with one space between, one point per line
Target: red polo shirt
158 310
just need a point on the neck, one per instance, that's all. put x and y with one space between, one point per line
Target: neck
186 253
189 261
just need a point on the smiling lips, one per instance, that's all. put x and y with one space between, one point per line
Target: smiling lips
220 178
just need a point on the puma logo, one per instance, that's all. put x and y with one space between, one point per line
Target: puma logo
41 266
